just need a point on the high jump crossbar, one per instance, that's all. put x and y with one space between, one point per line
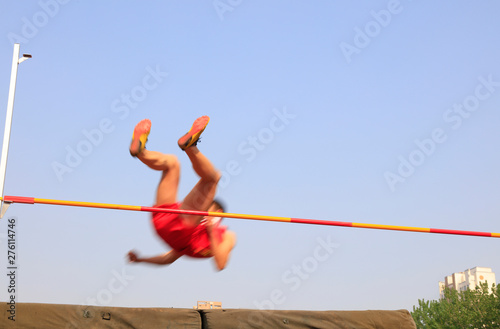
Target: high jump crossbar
29 200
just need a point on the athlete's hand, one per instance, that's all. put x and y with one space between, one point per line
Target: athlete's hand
132 257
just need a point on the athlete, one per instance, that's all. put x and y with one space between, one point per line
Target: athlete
190 235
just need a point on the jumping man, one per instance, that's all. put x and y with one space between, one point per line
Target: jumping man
189 235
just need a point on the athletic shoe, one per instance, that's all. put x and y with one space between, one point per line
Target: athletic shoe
140 137
193 135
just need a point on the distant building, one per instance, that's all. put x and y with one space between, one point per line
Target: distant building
470 278
204 305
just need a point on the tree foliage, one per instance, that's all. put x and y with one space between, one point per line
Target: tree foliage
477 308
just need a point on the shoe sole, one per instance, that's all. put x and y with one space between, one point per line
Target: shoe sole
194 133
139 137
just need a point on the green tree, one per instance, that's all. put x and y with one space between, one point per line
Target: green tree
471 309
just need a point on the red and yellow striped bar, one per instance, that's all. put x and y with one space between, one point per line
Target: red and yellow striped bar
86 204
254 217
27 200
392 227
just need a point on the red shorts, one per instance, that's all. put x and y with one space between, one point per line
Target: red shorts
188 240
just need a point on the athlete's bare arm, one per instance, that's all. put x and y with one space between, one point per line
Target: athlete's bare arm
165 259
222 250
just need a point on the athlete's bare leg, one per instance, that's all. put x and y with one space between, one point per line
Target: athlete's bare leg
202 195
169 165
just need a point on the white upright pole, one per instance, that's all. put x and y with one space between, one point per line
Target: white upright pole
8 120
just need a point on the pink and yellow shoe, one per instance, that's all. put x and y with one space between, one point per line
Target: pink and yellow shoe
140 137
193 135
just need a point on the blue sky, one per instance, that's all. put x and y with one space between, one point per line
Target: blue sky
380 112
